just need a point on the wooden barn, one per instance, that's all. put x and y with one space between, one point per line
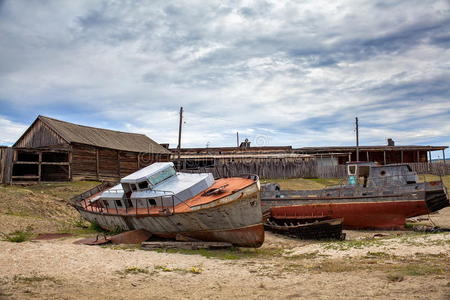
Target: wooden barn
54 150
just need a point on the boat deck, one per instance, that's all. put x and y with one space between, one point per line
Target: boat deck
225 187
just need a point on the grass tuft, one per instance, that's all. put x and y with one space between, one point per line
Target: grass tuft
133 270
19 236
229 254
34 279
192 270
395 277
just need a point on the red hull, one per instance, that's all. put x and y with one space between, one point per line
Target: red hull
383 215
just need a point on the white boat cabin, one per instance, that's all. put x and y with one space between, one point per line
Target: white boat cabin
157 185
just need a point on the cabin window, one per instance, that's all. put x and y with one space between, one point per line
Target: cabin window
133 187
105 203
352 170
161 176
143 185
382 173
119 203
152 202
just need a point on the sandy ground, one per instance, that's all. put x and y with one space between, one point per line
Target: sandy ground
359 268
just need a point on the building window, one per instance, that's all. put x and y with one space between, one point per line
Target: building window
352 170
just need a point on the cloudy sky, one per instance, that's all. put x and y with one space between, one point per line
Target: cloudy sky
279 72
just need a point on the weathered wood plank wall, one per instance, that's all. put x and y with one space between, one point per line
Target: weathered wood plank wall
6 159
93 163
84 163
274 169
40 135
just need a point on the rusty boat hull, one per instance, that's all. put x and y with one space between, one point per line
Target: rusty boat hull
384 209
235 218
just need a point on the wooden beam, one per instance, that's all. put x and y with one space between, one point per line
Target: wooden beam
118 164
41 163
418 156
367 155
98 163
401 156
40 166
384 156
24 177
443 155
70 164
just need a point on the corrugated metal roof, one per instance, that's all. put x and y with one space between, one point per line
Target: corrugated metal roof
105 138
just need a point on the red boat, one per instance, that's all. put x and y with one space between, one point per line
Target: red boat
374 197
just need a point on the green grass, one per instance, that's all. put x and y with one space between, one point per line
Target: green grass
307 255
34 279
419 269
123 247
192 270
229 254
353 244
135 270
377 255
19 236
395 277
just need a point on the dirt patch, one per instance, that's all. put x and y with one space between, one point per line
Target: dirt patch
51 236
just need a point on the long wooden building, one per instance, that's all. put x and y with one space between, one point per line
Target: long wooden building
54 150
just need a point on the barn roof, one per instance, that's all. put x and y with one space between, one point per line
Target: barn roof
105 138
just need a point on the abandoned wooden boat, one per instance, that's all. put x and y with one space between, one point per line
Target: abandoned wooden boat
373 197
167 204
318 229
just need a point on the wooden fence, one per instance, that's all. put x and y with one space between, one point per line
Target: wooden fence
305 169
435 168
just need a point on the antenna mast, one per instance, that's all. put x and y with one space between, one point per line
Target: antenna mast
179 137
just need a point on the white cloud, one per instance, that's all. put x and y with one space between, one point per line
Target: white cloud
10 131
293 72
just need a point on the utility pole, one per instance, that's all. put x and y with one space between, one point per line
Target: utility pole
357 140
179 138
237 139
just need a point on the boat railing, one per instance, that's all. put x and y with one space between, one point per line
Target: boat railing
76 200
101 207
385 186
